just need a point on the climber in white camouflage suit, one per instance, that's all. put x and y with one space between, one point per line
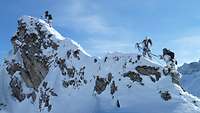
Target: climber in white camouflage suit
144 46
171 65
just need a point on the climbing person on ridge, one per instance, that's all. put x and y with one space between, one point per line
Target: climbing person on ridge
171 65
145 47
46 14
48 18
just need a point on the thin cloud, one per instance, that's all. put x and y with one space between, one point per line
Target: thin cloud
190 41
81 17
101 36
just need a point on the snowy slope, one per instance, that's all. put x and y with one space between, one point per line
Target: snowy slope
75 82
191 78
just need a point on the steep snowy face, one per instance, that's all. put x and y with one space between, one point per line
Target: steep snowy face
36 43
190 79
37 48
46 72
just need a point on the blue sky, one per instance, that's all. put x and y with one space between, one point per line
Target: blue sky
102 26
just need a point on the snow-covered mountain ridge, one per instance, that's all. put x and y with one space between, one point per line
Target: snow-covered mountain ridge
46 72
190 79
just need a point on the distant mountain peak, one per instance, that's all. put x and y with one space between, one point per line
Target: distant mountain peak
190 77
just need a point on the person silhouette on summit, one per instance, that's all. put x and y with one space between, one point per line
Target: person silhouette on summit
48 18
46 14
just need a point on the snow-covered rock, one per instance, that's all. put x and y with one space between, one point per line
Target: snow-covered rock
46 72
191 77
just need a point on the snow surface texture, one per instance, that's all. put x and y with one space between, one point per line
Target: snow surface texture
190 79
134 93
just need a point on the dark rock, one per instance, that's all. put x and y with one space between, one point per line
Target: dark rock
75 83
54 45
113 88
49 108
105 59
62 65
71 72
64 69
133 76
165 95
100 85
129 86
76 54
53 93
65 84
44 84
138 57
85 81
44 98
148 70
195 103
34 71
16 89
124 66
13 67
32 95
176 78
95 60
130 60
118 104
35 63
2 106
69 54
109 77
116 58
152 79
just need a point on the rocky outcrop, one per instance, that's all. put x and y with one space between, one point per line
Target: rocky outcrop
2 106
32 95
165 95
113 88
76 76
30 42
148 71
110 77
16 89
133 76
45 95
76 54
100 84
12 67
176 77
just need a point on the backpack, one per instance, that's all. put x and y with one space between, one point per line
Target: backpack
168 52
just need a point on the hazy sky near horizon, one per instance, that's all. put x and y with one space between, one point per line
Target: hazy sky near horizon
102 26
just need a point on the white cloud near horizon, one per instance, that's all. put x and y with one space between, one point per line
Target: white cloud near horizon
187 48
189 41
